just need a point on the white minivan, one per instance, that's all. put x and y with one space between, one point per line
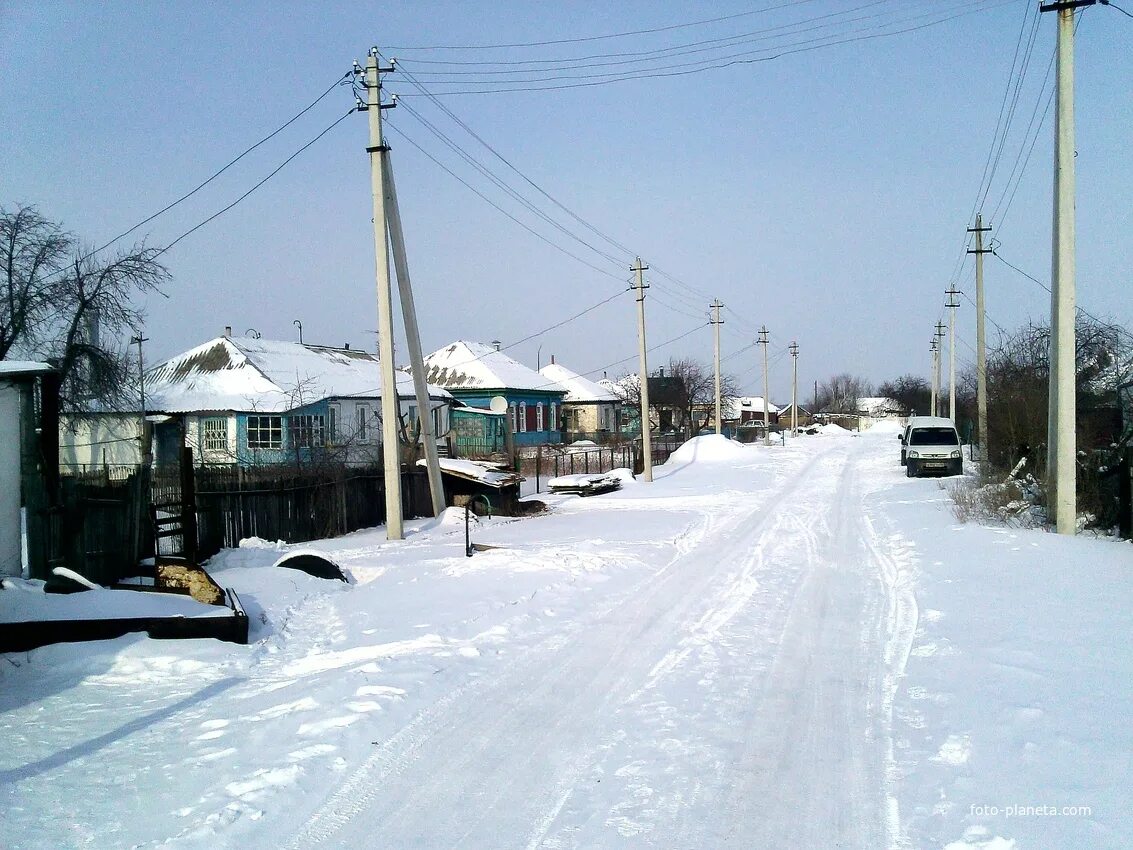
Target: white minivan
931 444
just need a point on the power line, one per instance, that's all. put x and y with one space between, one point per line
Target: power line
1115 6
260 183
726 61
608 36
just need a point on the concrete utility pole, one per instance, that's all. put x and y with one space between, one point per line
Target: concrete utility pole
144 441
1062 440
716 321
939 382
413 338
391 448
952 292
763 340
794 389
932 350
981 339
643 374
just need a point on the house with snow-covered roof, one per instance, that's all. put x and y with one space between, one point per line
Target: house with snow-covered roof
255 402
476 372
589 408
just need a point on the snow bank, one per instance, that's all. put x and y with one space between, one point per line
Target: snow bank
887 426
831 428
710 448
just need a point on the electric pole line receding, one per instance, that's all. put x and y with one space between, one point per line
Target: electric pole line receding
794 349
716 321
935 375
939 383
952 292
763 340
643 373
391 460
1062 412
981 338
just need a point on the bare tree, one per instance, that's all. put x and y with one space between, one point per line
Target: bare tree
697 390
911 392
840 393
71 309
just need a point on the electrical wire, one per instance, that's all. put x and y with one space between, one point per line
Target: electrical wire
260 183
606 37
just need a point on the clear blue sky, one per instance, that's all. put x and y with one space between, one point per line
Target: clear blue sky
824 194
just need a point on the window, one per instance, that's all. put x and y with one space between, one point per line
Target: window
513 412
265 432
522 416
539 416
363 423
214 435
554 426
332 433
306 431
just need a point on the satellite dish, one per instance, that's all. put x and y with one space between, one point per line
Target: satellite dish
498 404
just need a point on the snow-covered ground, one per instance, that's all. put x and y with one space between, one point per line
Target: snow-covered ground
767 647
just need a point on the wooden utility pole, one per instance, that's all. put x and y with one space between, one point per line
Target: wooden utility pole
391 454
981 338
643 373
794 389
952 292
763 340
145 441
716 321
1062 440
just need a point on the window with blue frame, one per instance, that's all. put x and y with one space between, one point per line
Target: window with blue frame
265 432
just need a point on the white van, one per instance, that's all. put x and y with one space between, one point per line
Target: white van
931 444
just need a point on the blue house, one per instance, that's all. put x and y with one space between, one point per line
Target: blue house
260 402
475 372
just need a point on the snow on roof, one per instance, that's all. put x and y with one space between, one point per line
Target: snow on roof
579 390
476 365
624 388
753 402
877 405
23 367
265 374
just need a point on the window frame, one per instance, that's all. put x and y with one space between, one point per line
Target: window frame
214 438
269 424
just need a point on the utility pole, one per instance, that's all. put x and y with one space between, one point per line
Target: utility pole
716 321
1062 414
794 348
763 340
643 374
939 383
413 339
932 350
145 442
981 339
391 448
952 292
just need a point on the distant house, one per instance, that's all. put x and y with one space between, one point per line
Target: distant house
750 411
667 412
254 402
589 409
880 407
804 416
476 372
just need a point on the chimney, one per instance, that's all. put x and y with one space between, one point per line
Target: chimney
347 346
661 372
496 344
552 360
228 331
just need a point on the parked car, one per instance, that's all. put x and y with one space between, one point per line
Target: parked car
931 444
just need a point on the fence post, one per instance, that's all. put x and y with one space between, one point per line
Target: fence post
188 506
538 466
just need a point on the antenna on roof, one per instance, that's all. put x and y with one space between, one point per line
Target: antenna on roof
299 325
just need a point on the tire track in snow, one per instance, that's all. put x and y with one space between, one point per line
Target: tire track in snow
457 733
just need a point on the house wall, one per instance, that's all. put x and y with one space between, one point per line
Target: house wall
525 427
100 439
591 418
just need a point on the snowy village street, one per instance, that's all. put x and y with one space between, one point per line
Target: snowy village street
768 647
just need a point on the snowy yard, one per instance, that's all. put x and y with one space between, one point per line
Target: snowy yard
768 647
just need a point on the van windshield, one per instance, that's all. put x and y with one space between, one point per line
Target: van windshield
934 437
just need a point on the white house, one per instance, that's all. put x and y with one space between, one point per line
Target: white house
588 407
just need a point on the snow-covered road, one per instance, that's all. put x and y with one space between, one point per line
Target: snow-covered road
732 656
735 695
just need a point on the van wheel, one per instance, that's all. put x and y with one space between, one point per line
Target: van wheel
909 471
